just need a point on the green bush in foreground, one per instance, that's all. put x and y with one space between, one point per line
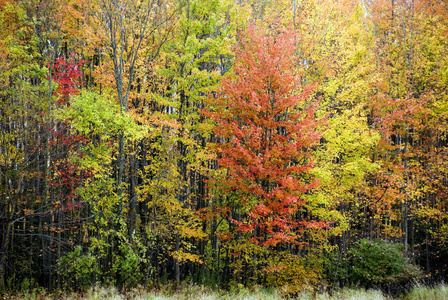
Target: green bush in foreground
381 264
77 269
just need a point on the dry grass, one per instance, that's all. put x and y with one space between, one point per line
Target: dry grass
423 292
197 292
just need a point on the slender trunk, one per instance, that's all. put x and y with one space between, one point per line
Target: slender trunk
46 196
428 265
406 231
133 195
2 268
47 163
3 255
405 217
59 247
49 266
120 174
176 262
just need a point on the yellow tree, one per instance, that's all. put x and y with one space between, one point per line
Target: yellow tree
192 61
124 33
410 111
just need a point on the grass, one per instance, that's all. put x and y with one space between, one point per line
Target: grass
423 292
197 292
168 292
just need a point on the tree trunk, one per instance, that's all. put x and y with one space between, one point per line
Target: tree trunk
3 255
176 262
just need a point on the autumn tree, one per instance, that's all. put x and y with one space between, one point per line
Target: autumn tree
22 109
123 35
265 128
334 51
409 111
138 144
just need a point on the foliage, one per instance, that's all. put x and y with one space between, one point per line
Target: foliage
235 143
380 263
94 114
265 126
291 275
126 264
78 269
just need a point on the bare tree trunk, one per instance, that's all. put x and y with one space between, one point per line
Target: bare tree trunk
3 255
176 262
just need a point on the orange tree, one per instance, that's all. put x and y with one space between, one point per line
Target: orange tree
265 128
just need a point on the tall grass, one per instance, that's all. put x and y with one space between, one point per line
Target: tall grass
185 292
197 292
423 292
345 294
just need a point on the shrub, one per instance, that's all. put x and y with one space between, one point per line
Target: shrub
380 264
291 274
77 269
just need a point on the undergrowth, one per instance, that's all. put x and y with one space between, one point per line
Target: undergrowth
198 292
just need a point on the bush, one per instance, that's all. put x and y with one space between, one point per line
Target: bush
126 266
291 274
380 264
77 269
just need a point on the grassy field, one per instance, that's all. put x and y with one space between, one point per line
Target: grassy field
195 292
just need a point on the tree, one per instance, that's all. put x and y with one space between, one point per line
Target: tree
20 134
266 127
407 110
98 119
194 61
125 30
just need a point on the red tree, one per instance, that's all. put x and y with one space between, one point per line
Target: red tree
266 126
66 175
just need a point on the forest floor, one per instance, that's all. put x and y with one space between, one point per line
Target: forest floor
196 292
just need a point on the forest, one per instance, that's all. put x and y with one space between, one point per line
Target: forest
290 144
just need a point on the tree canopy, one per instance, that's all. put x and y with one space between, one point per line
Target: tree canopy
223 142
